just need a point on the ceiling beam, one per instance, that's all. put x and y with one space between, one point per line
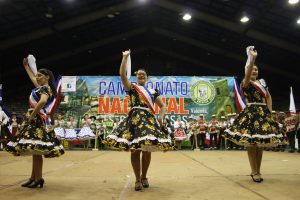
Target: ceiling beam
106 60
231 26
93 45
219 51
67 24
79 68
261 14
112 58
169 53
82 48
188 59
198 43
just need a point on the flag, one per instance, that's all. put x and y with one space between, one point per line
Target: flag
238 97
54 104
292 103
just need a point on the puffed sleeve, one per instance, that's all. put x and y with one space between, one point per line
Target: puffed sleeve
263 83
45 90
156 93
130 90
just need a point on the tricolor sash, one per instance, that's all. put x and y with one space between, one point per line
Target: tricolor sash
262 90
34 99
51 105
146 95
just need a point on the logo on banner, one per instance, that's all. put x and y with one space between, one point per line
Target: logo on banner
202 92
68 84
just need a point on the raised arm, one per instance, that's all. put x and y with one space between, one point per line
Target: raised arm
249 68
29 72
162 110
123 76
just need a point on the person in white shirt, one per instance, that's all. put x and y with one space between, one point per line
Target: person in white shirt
213 127
70 129
59 124
3 117
86 132
179 133
3 122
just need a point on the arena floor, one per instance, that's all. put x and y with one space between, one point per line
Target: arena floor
107 175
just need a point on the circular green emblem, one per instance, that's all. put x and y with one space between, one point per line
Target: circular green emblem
202 92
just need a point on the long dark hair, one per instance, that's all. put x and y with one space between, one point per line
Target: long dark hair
141 69
52 83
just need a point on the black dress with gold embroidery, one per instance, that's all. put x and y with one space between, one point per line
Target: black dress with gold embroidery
33 138
255 124
140 129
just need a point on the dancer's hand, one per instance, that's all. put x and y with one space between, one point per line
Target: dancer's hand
126 53
253 53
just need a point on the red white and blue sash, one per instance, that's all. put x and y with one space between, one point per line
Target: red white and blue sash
262 90
33 100
146 95
52 103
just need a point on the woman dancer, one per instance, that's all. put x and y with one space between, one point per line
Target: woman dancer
140 131
254 127
33 138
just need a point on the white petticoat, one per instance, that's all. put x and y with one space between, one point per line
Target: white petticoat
70 134
85 134
60 133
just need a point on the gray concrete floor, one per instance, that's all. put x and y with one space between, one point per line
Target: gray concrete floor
107 175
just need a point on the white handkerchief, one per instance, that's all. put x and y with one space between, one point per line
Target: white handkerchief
32 64
248 49
128 67
249 56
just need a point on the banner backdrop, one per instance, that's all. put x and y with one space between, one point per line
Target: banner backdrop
104 96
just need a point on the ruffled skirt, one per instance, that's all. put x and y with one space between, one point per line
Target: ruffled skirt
60 133
180 134
255 126
139 131
33 139
86 133
70 134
